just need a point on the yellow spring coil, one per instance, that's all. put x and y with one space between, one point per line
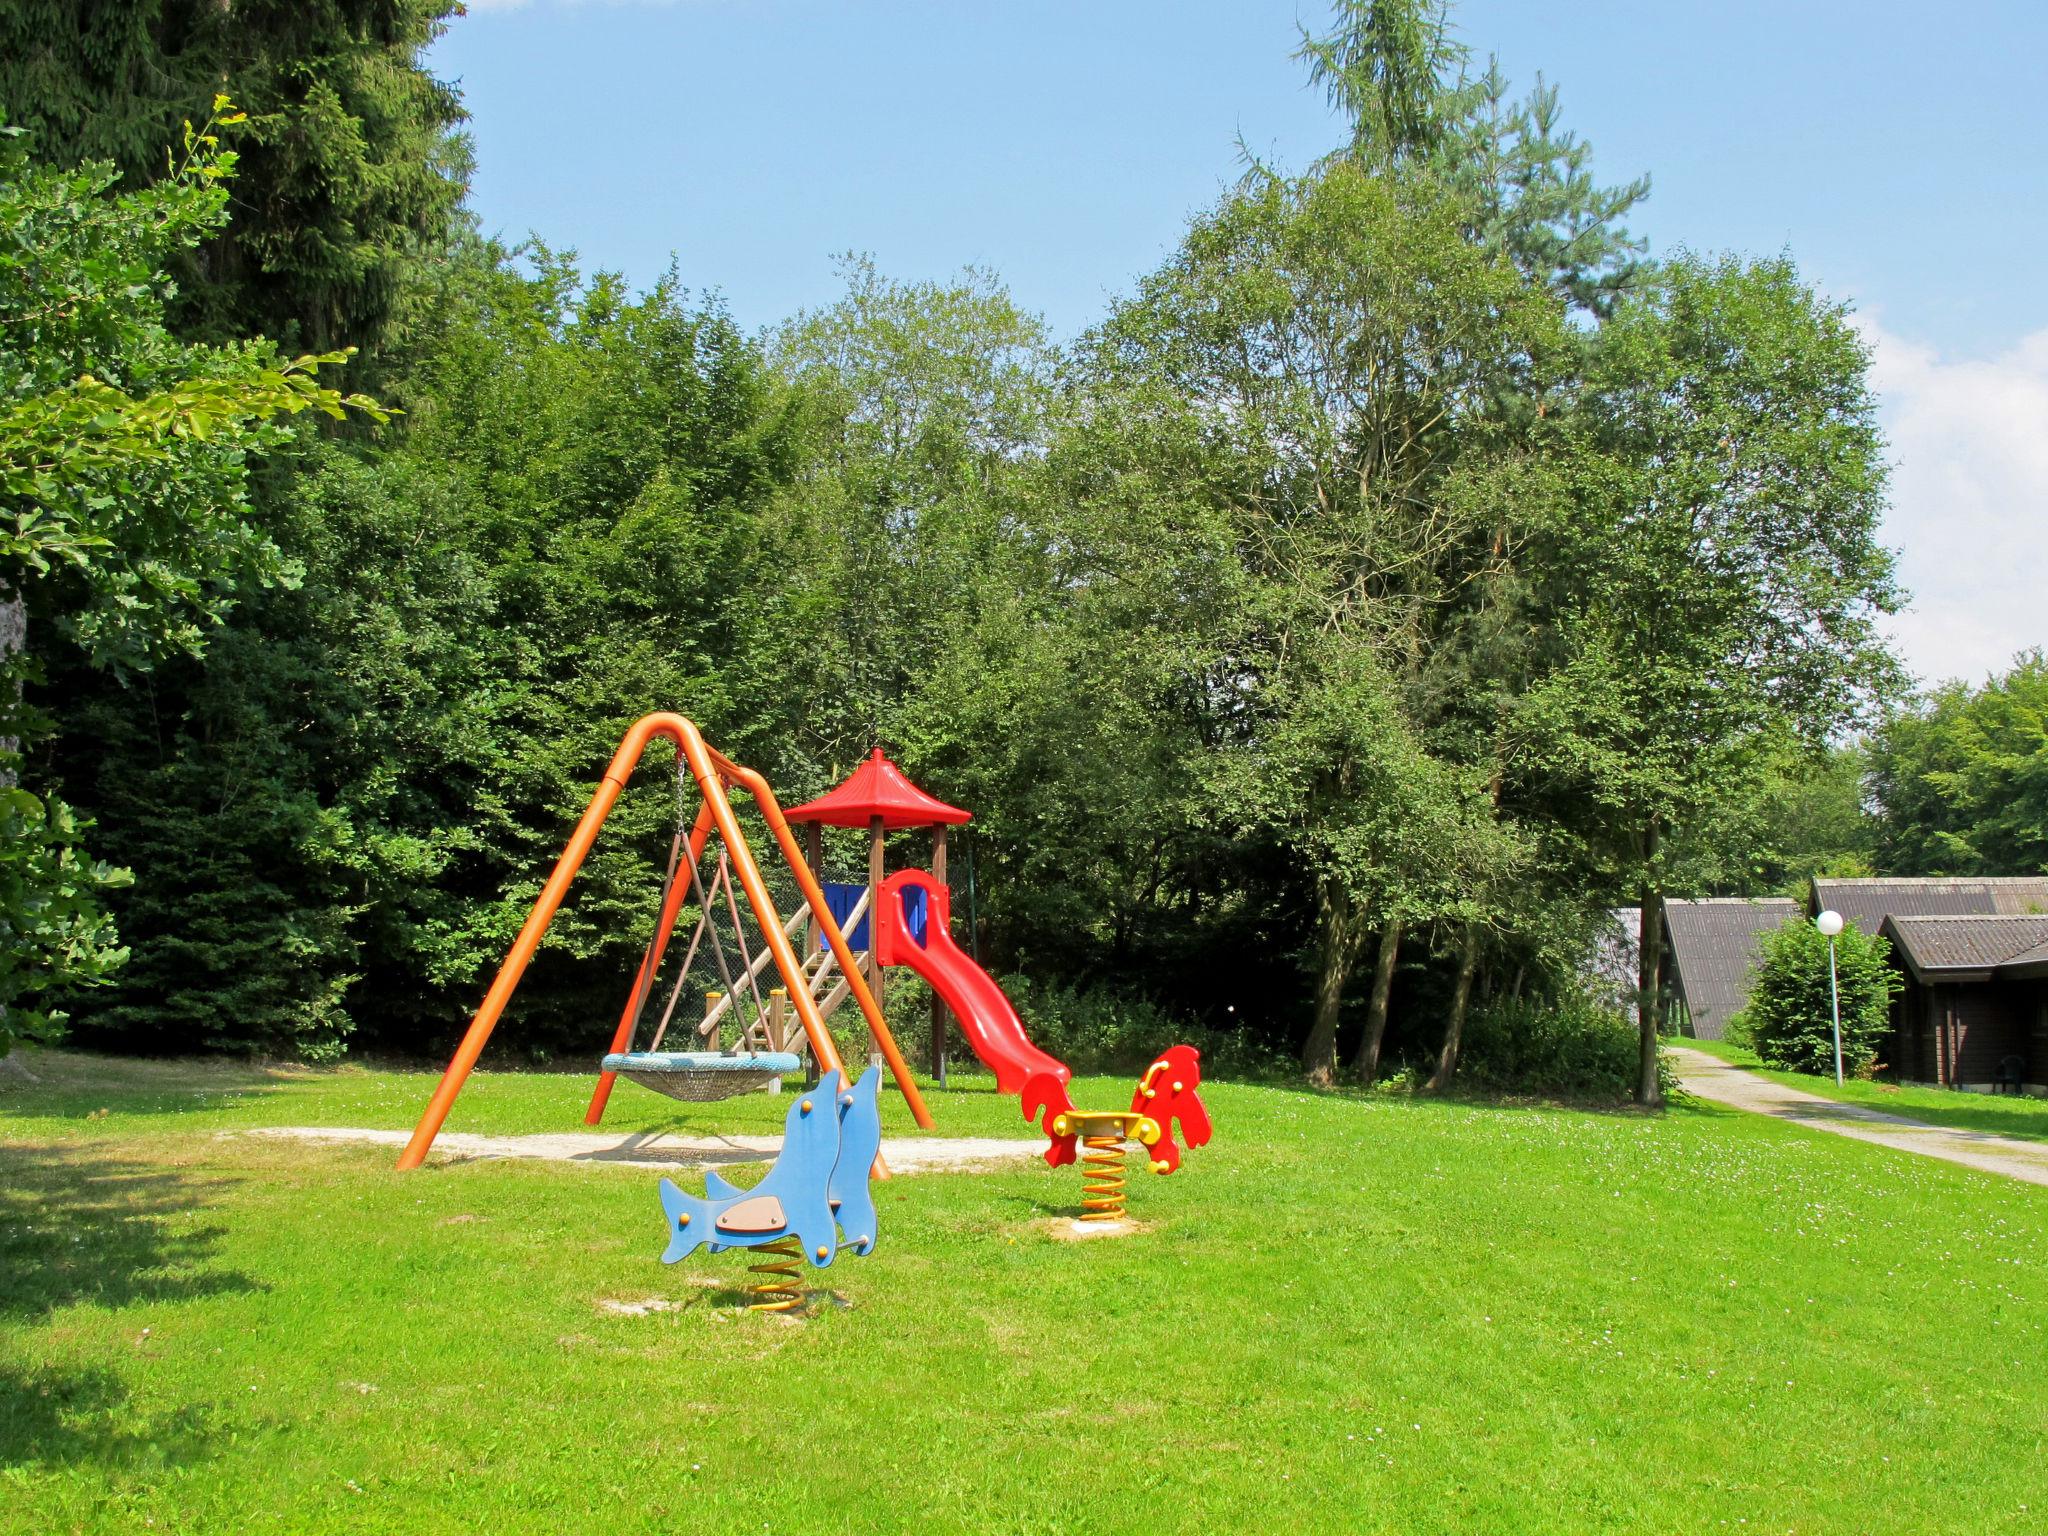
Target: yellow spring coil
781 1286
1102 1186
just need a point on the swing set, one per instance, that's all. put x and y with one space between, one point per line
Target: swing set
811 987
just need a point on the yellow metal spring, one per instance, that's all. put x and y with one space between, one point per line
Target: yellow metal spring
781 1286
1102 1186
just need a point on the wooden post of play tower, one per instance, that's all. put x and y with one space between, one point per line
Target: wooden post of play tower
876 874
814 855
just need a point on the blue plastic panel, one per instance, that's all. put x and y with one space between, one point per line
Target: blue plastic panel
841 897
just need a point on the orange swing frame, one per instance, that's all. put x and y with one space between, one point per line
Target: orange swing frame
715 774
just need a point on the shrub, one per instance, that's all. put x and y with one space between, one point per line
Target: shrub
1573 1047
1096 1030
1789 1016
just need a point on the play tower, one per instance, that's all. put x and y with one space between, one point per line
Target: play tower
891 921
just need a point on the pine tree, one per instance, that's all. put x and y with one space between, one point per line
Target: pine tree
1394 68
350 165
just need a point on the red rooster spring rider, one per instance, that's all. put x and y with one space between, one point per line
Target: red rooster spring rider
1166 1097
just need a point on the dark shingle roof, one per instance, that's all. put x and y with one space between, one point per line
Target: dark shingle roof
1714 946
1867 903
1950 948
2035 960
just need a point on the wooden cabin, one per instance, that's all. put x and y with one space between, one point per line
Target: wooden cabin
1971 1012
1974 1011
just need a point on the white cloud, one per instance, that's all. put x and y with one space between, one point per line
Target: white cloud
1969 446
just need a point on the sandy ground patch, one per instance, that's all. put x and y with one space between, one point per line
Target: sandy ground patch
1071 1229
905 1154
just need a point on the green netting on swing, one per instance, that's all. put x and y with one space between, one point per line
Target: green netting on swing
700 1075
697 1076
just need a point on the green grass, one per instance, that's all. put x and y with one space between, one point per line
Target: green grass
2003 1114
1356 1314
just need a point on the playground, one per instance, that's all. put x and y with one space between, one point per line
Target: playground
225 1309
971 769
652 1293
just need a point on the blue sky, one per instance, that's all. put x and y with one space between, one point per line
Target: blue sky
1896 150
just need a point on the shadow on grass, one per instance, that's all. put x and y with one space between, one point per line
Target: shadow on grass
66 1417
79 1227
1679 1101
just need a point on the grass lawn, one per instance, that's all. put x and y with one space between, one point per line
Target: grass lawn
2004 1114
1348 1314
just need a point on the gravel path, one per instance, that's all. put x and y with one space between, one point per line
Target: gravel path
907 1154
1708 1077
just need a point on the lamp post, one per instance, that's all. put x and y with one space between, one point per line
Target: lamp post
1830 924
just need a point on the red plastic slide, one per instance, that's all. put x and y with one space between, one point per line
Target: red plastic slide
986 1018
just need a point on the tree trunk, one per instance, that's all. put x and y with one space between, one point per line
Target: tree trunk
1367 1063
1339 946
1461 995
1649 974
13 641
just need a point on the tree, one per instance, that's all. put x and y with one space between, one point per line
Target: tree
1394 69
54 927
1790 1014
349 165
1716 576
924 405
124 452
1961 777
124 468
1812 819
1279 442
1523 190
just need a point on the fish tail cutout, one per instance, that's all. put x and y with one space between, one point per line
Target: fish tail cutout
689 1222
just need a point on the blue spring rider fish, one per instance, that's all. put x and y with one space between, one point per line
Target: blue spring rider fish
817 1189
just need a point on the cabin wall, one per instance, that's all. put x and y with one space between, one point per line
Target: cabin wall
2037 1036
1918 1048
1958 1033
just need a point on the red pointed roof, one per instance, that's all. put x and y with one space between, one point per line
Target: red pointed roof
877 788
